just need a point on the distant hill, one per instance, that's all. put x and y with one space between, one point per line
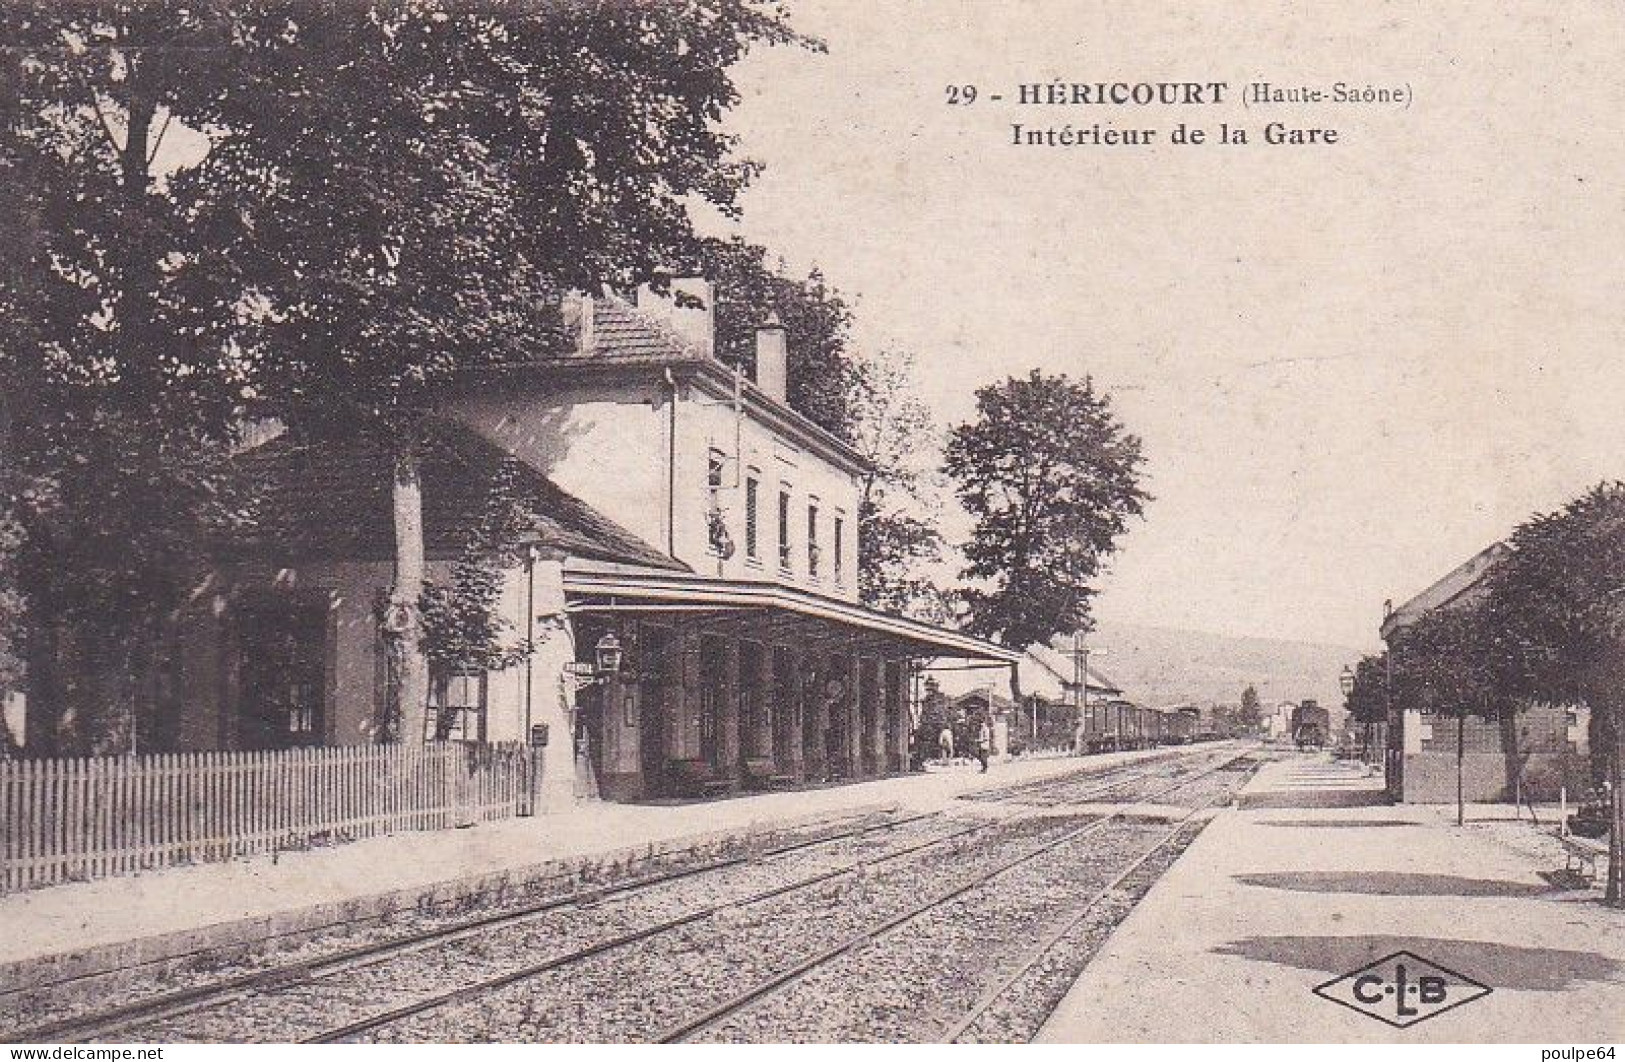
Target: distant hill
1159 665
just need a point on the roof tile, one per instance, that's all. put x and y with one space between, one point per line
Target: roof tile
330 497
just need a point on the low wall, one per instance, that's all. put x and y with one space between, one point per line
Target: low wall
1430 777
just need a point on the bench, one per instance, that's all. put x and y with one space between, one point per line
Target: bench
696 778
757 773
1581 857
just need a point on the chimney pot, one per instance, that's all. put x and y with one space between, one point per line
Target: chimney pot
577 310
773 358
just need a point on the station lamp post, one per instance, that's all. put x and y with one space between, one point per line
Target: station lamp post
1346 681
608 655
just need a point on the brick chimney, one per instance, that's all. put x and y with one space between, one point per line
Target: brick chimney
577 311
773 358
695 325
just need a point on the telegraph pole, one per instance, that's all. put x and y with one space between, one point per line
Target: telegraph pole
1080 690
1080 679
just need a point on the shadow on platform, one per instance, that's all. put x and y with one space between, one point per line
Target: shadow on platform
1497 965
1340 824
1390 883
1315 797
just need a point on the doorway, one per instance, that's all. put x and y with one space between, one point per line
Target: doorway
713 692
281 647
660 674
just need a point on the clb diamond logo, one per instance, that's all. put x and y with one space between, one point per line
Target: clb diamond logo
1402 990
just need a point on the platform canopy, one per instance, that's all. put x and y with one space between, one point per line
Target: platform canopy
772 612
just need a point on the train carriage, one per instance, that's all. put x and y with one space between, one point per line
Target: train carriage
1156 732
1311 725
1117 726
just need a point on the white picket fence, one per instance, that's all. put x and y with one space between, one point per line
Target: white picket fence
78 819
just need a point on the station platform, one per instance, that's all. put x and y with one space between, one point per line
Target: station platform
1312 876
69 930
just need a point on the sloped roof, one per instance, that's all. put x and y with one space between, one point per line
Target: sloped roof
628 339
330 497
1458 582
984 697
1059 664
623 333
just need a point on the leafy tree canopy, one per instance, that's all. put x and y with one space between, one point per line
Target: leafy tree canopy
898 504
374 196
1450 661
817 324
1558 599
1367 700
1051 479
1251 711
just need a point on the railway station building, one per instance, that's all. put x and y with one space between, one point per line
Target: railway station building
1533 753
685 578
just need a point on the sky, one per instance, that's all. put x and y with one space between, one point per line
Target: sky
1352 365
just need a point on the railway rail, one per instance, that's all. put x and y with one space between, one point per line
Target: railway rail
168 1012
1141 767
472 992
80 1027
1065 929
871 935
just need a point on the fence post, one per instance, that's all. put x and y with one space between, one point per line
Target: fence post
87 818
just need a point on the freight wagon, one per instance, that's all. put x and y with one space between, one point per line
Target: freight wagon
1115 726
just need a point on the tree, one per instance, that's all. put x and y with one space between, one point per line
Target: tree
1250 715
1451 662
1051 480
387 194
897 502
1367 699
1557 603
448 170
817 325
462 621
935 714
117 389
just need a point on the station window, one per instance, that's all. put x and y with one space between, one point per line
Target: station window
812 540
752 489
838 544
301 708
457 701
784 528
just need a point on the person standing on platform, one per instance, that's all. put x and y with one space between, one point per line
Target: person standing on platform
945 744
984 742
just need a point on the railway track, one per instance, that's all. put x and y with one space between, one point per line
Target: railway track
170 1011
714 1017
1140 768
472 992
1134 879
81 1027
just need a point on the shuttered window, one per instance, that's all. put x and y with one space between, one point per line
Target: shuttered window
839 545
812 541
752 550
784 529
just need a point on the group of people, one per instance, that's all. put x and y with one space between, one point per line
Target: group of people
983 743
